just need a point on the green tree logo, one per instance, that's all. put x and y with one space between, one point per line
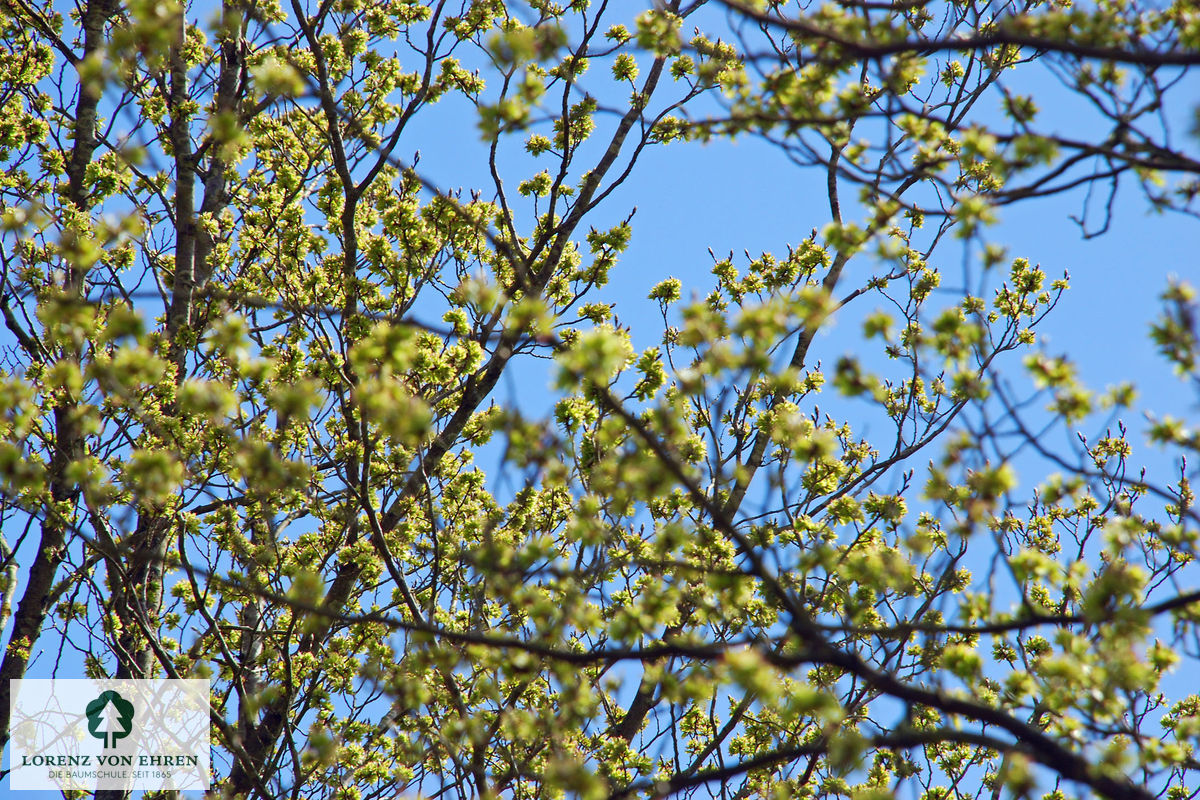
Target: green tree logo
110 717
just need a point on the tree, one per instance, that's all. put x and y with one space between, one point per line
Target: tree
253 381
109 718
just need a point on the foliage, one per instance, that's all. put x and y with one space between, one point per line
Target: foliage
255 362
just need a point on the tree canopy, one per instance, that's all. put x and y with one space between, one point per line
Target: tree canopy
271 397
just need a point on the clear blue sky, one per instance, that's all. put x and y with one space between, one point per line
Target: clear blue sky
745 195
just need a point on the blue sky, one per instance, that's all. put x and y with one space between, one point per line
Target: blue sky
744 194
